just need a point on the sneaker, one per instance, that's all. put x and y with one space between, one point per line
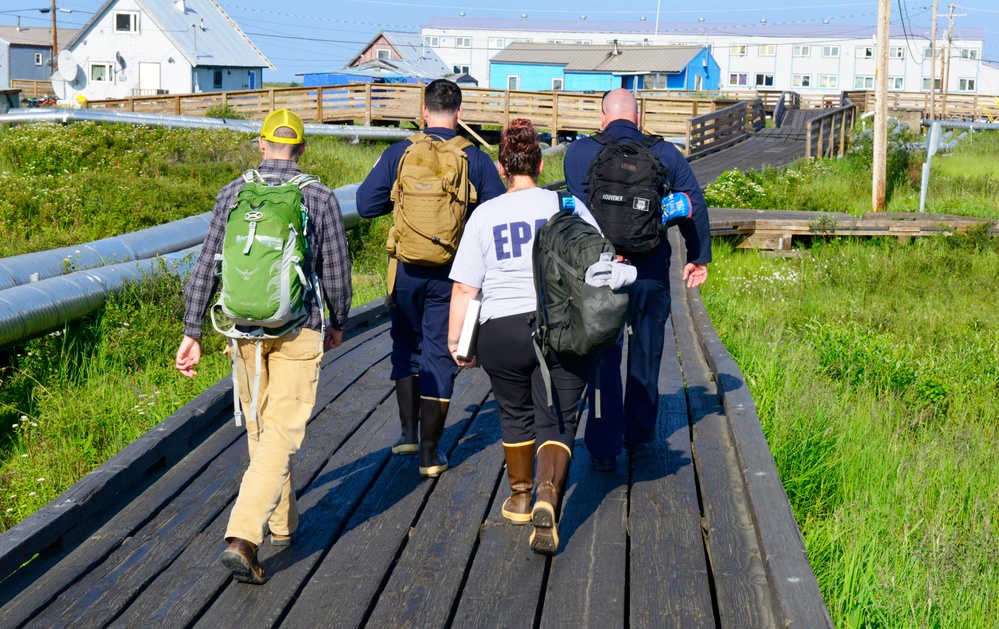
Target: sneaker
608 464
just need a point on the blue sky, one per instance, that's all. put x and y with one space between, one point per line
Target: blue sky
319 35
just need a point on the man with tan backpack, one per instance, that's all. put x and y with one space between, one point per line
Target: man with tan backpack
430 182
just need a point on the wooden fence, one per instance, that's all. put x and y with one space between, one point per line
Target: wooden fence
370 104
32 89
828 134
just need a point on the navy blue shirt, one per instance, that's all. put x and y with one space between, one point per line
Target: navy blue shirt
696 232
374 193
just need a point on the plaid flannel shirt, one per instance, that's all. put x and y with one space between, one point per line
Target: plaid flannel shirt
327 251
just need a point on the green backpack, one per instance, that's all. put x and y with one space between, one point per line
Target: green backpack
264 286
263 282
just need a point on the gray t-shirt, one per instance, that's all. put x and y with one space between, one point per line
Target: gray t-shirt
496 251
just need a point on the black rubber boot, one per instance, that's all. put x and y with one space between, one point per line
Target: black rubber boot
433 413
407 392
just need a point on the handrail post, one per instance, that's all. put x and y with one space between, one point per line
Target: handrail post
270 98
367 104
808 140
319 104
554 118
176 105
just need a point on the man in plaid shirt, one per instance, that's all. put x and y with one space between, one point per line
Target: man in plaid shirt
289 367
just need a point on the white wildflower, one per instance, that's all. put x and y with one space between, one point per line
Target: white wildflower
31 493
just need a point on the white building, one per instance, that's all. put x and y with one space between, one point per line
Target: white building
145 47
818 58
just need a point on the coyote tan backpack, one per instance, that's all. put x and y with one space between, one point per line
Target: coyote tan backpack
432 193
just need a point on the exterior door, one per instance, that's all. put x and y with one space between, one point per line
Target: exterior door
253 80
149 78
698 83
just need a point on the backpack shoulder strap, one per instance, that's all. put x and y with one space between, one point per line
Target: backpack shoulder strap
301 180
651 140
253 175
459 143
603 138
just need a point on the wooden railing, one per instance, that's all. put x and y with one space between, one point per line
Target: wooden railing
366 103
717 130
32 89
828 134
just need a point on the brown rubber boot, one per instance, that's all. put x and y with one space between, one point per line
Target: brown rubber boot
520 472
433 413
407 392
552 465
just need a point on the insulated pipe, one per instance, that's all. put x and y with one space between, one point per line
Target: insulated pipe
193 122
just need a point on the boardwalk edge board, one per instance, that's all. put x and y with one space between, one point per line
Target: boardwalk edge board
796 593
73 515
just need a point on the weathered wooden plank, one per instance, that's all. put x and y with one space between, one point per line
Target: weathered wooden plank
504 583
794 590
740 580
346 584
427 579
198 589
126 572
669 584
587 578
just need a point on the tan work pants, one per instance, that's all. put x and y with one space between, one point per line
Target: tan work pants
289 375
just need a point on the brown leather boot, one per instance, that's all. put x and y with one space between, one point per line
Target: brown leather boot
433 413
552 465
407 392
241 560
520 472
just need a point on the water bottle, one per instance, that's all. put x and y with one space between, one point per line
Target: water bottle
676 208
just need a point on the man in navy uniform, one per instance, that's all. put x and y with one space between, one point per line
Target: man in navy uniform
628 418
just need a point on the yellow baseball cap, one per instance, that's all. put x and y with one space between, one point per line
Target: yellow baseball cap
283 118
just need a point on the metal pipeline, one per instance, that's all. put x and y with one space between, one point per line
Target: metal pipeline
65 116
31 308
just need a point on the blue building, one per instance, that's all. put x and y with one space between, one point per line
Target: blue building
28 52
390 57
583 67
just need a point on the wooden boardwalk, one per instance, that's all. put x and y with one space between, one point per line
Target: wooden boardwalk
696 533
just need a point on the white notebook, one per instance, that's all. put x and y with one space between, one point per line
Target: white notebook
469 331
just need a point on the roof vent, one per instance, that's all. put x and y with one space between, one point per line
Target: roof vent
181 6
616 50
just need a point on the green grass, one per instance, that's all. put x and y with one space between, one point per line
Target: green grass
873 367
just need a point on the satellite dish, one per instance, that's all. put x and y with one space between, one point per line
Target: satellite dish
67 65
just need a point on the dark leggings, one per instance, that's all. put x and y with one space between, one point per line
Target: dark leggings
506 352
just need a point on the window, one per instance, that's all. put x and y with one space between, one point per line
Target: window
432 40
497 42
896 83
217 79
830 81
801 51
801 80
524 39
764 80
557 85
896 52
969 53
830 51
556 41
39 59
863 83
768 50
582 41
926 84
737 50
513 82
737 78
383 53
460 69
966 85
101 72
126 22
928 52
462 42
865 52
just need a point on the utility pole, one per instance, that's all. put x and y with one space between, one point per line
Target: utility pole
55 39
879 187
933 64
950 40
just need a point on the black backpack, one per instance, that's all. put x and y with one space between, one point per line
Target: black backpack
627 183
574 317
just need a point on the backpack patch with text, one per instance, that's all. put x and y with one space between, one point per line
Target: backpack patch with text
263 283
627 183
574 317
431 194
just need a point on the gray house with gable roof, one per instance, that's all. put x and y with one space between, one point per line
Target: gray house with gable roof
147 47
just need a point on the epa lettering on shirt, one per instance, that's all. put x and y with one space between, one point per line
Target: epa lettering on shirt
510 238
